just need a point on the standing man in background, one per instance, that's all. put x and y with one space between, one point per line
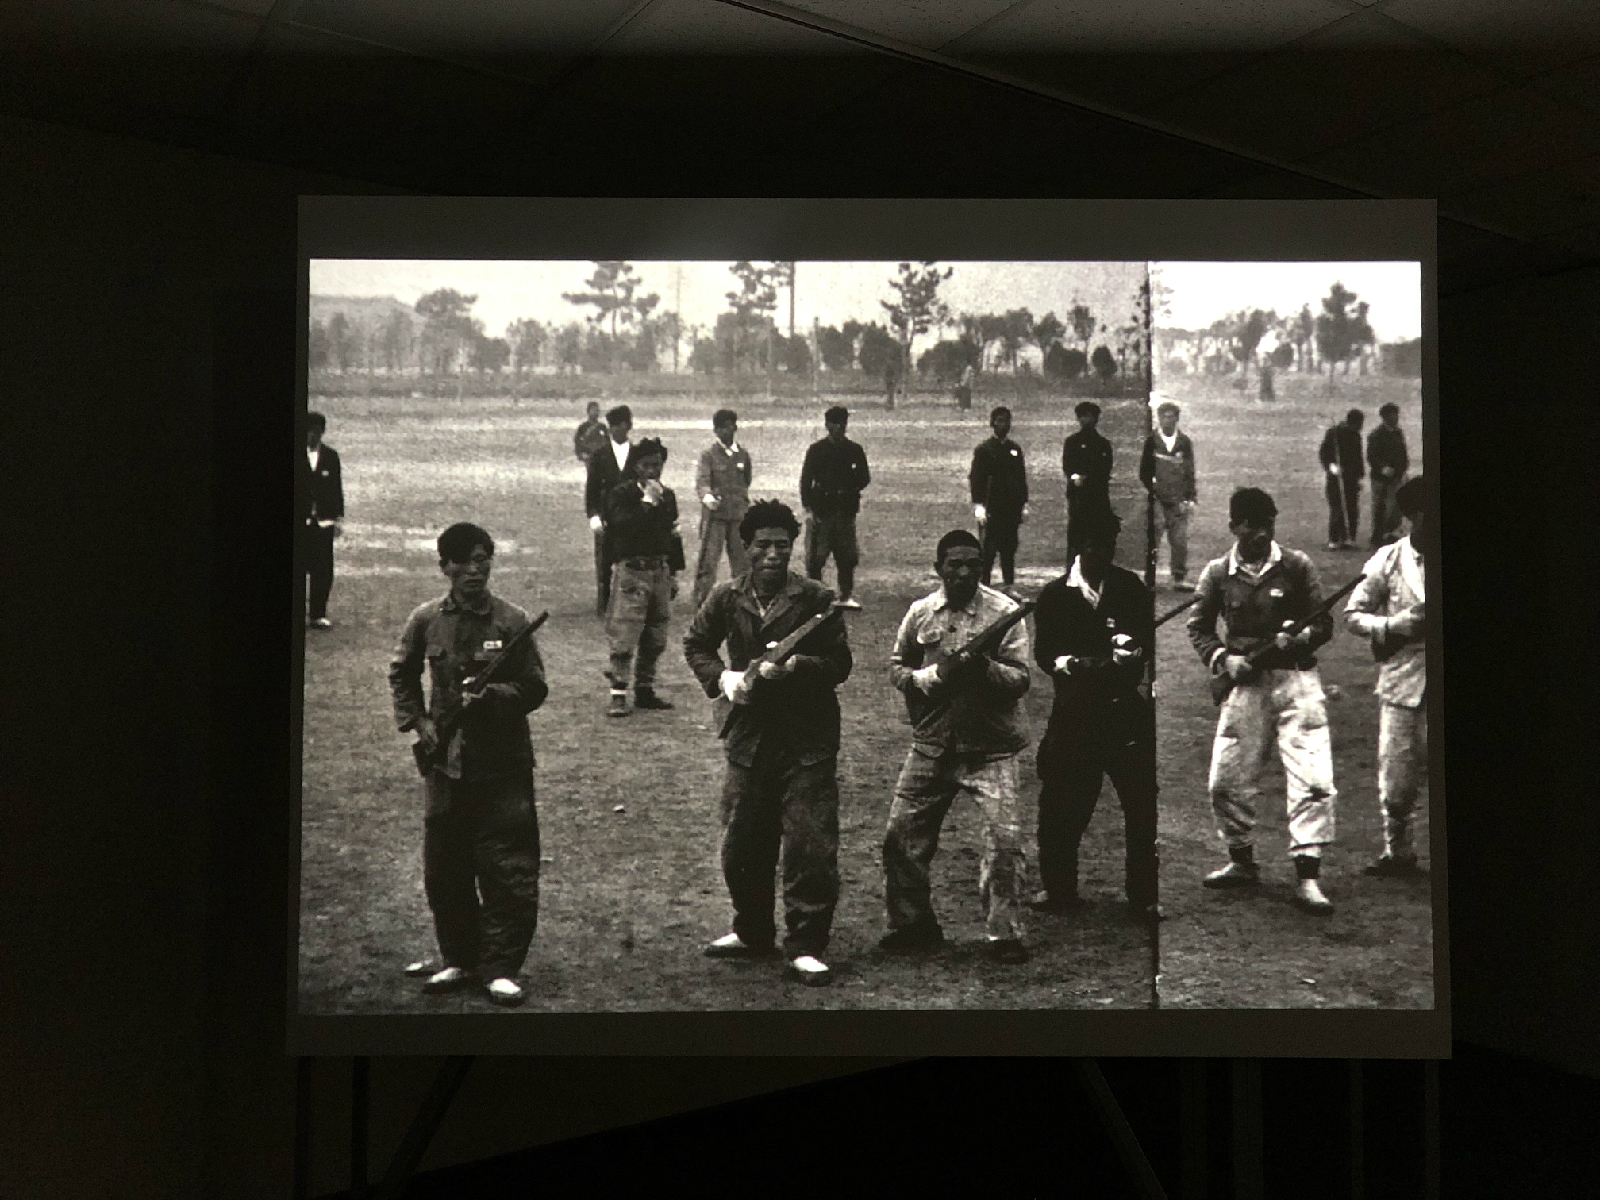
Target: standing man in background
606 469
999 483
320 499
1086 462
831 479
646 556
1388 608
1341 464
722 481
1386 455
1166 468
591 436
964 387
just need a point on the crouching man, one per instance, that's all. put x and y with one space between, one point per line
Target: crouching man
968 728
480 846
780 795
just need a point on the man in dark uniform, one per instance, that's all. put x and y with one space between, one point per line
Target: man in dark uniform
1095 630
1340 456
1386 455
999 482
831 478
780 795
606 468
1086 462
480 846
1166 468
646 556
591 436
320 497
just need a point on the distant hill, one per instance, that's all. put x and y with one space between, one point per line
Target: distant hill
369 311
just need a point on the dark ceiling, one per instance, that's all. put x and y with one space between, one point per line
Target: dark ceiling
1492 109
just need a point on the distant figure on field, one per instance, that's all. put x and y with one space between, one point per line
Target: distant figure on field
1386 455
1258 589
606 469
480 845
1341 464
1388 608
591 436
1264 379
780 793
646 556
964 387
831 480
320 499
999 485
722 481
891 376
1166 468
1086 462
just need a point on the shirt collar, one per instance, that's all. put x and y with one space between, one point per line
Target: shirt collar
1075 579
1169 442
971 609
451 604
1274 557
619 450
730 451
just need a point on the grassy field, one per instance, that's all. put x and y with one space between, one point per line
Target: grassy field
631 888
1227 949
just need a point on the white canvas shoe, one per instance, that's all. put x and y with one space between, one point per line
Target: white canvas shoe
1308 895
450 979
809 970
731 945
504 991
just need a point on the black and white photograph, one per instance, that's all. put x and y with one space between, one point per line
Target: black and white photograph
693 635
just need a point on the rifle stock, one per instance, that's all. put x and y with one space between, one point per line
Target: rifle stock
1222 683
445 727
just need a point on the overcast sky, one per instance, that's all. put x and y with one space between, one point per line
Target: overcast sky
1204 291
833 292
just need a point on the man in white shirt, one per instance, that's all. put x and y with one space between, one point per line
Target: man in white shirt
606 469
1387 608
722 481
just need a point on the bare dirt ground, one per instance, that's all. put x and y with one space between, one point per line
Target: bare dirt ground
629 897
1256 950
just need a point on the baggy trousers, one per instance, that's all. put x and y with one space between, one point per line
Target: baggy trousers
1344 508
480 856
1000 538
922 796
641 604
318 550
602 575
834 535
715 534
778 811
1402 765
1385 511
1071 774
1172 519
1283 709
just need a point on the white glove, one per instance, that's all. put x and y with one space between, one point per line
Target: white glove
980 512
730 681
1333 469
1062 665
709 501
1124 650
596 524
925 678
653 491
1075 480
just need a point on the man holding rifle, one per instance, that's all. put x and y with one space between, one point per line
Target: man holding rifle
780 795
1266 669
480 844
961 659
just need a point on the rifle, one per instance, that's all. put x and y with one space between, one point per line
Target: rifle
1184 607
1222 683
981 643
723 708
445 727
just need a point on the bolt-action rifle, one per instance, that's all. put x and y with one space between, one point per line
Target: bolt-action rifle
1222 683
980 644
450 720
723 707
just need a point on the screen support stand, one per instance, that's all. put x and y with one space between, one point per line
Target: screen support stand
1140 1173
1249 1178
430 1115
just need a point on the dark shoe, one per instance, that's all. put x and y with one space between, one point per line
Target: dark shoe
909 939
1234 875
451 979
1389 867
1046 903
648 699
1007 950
731 945
321 623
619 705
809 970
848 604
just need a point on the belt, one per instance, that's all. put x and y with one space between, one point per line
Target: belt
644 562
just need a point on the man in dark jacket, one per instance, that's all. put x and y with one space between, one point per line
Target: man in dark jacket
1340 456
999 483
320 500
591 436
780 796
480 848
1386 455
831 479
1095 631
1086 462
1259 589
1166 468
646 555
606 469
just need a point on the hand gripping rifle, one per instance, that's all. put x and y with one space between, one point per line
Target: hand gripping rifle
1222 683
450 720
723 707
977 646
